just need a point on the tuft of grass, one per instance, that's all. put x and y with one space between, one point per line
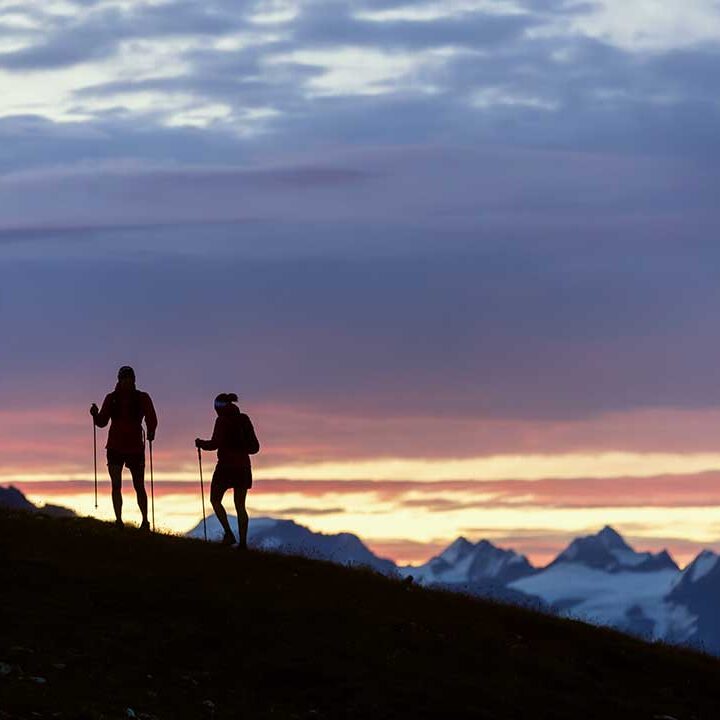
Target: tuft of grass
99 623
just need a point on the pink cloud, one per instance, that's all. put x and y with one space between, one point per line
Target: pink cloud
702 490
60 437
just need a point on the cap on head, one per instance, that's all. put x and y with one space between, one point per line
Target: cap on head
126 373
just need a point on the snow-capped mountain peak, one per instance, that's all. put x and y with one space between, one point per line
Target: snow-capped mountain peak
463 562
290 537
703 565
599 577
457 550
608 551
612 539
695 593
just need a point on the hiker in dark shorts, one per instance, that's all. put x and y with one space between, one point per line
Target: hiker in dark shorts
125 409
235 440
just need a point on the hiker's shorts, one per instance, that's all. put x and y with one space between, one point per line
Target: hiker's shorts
132 461
224 478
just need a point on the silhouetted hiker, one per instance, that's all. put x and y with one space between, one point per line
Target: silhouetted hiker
235 440
125 407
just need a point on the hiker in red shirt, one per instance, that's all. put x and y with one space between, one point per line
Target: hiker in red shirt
235 440
125 409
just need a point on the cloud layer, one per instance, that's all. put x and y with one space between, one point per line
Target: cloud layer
416 230
136 78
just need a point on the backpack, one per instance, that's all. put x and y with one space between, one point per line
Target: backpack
245 434
132 411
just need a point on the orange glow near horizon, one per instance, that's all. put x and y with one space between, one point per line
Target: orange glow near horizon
419 529
695 529
527 485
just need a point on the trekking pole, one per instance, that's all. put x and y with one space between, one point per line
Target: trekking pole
202 493
152 487
95 458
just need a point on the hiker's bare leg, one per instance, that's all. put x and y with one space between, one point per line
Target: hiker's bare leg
138 478
216 497
115 472
242 516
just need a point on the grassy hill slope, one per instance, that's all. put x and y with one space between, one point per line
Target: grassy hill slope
174 628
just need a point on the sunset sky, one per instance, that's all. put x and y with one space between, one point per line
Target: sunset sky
459 259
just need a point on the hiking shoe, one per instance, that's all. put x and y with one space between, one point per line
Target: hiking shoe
228 539
145 526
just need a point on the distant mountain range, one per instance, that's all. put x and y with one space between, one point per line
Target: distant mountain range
289 537
598 578
11 497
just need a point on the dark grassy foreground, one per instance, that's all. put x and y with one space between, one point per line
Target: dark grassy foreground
173 628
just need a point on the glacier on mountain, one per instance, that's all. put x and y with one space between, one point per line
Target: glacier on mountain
597 578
